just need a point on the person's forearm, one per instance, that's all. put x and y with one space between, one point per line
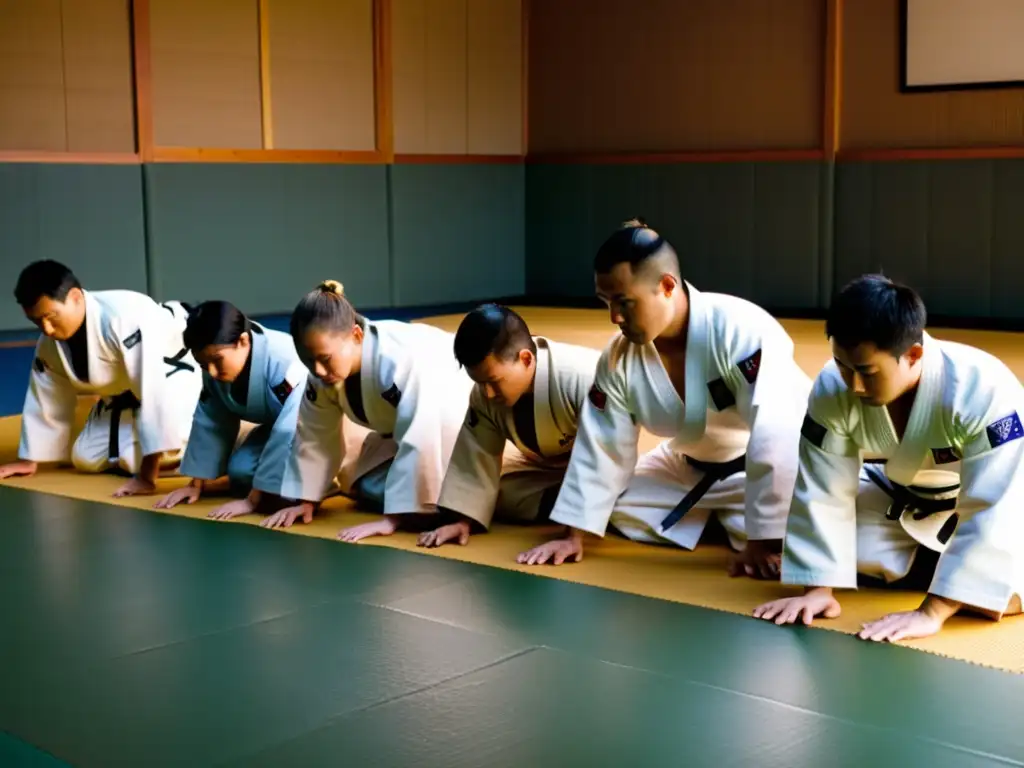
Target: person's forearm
939 608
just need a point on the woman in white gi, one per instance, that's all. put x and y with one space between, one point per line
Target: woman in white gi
712 373
911 471
514 446
396 380
120 347
251 374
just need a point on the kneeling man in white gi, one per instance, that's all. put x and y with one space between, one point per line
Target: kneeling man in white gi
911 453
712 373
529 393
121 346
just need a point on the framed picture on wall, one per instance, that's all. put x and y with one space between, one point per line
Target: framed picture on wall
950 45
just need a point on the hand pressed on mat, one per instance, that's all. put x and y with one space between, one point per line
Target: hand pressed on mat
557 551
284 518
457 532
817 601
18 469
760 559
238 507
383 527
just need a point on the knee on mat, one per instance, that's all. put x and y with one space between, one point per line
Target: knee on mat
241 475
369 489
85 460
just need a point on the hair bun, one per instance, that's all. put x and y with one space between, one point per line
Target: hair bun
635 222
332 286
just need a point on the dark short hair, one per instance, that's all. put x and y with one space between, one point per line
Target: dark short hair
491 329
873 308
636 244
214 323
47 278
326 308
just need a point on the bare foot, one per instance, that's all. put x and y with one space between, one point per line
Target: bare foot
458 532
383 527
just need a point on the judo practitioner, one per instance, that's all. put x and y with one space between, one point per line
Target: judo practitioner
251 374
712 373
396 380
910 460
120 346
528 396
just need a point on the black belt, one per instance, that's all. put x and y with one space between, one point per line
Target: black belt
176 364
713 472
126 401
906 497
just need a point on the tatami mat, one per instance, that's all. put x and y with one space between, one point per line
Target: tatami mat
697 578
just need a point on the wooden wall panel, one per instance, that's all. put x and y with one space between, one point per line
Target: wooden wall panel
672 76
876 114
321 74
32 111
98 73
495 77
206 73
430 75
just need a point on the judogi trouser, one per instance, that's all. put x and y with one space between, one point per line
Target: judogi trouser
671 496
108 441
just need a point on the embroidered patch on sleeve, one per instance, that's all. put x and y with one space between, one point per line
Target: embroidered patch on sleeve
282 390
813 432
721 394
39 365
310 392
944 455
134 339
392 396
750 367
1003 431
597 398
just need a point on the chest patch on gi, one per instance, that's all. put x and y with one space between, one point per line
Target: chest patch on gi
597 398
132 340
1003 431
310 392
750 367
944 455
392 396
39 365
282 390
813 432
721 395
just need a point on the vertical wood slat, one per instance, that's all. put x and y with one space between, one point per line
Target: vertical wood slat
382 79
832 102
266 113
143 80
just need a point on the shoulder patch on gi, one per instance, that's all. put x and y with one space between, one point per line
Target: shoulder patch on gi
1006 429
392 396
813 432
721 394
310 392
132 340
944 455
39 365
598 398
750 367
282 390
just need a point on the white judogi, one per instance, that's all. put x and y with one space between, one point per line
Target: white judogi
147 382
414 398
744 399
277 380
481 480
962 441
